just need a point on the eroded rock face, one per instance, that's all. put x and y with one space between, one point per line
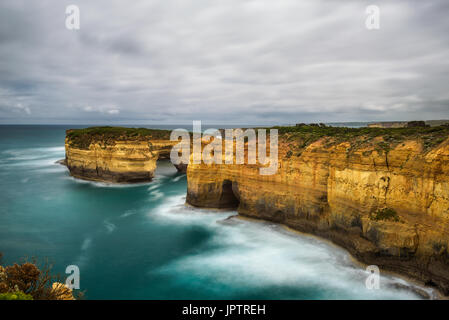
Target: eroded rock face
182 167
333 191
123 161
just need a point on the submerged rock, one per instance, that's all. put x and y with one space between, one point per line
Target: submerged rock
62 162
229 220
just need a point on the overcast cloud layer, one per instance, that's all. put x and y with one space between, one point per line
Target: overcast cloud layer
223 61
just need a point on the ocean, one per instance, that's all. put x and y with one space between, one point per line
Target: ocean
142 241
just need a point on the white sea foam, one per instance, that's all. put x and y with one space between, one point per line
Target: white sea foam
174 211
83 257
86 244
32 153
257 254
176 179
105 184
154 186
35 158
128 213
110 227
156 194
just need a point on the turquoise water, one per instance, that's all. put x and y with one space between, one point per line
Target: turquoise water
142 242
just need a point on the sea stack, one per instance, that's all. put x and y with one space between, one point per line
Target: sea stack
116 155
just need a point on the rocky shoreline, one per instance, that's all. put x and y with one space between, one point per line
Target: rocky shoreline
382 194
414 285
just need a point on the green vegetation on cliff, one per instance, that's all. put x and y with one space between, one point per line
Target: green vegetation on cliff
82 138
304 135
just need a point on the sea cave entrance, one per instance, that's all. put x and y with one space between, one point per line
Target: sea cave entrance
230 197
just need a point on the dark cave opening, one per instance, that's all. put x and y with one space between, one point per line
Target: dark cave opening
229 198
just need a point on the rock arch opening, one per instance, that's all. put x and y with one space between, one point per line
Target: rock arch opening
229 195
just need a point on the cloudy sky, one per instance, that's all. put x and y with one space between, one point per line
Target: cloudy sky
223 61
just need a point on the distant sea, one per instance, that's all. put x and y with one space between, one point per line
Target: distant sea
143 242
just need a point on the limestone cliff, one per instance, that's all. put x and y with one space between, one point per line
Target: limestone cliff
383 194
116 154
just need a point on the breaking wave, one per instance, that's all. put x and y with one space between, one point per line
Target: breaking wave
243 256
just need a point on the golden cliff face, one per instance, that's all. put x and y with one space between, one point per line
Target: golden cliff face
118 158
383 194
125 161
388 206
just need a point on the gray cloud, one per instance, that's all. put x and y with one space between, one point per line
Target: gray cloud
223 61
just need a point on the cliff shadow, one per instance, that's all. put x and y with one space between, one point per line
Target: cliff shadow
229 197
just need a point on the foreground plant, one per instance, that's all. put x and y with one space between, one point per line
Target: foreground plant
27 282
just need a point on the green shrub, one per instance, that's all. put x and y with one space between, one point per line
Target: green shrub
17 295
27 281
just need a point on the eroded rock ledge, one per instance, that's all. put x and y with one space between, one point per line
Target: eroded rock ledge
383 194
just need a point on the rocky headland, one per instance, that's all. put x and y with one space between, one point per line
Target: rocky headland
383 194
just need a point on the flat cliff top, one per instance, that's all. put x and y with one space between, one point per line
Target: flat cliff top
383 139
82 138
296 138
